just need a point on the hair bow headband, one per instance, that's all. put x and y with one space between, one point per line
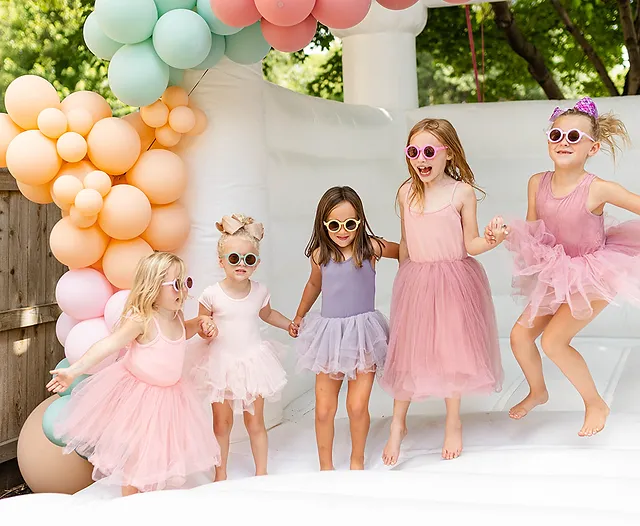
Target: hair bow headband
585 105
231 224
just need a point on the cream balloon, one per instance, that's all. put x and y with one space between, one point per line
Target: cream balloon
52 122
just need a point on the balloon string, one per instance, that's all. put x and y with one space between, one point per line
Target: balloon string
473 51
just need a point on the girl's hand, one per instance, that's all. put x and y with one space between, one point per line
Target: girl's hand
208 328
489 236
294 330
499 230
62 379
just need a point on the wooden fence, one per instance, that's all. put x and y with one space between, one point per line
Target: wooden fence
28 309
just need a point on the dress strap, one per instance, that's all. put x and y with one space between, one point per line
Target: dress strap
455 186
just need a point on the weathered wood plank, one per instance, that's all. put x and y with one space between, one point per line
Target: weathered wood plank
8 449
28 316
4 251
15 409
19 210
7 182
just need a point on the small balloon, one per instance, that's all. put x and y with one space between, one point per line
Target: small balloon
201 122
182 39
52 122
182 119
81 220
167 137
175 96
80 121
285 13
88 202
89 101
155 115
72 147
98 180
339 14
65 189
292 38
398 5
248 46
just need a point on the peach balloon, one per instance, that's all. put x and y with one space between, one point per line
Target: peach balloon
38 194
98 180
175 96
77 247
121 259
80 121
119 179
167 136
169 227
79 170
88 202
52 122
72 147
98 266
161 175
155 115
81 220
114 145
64 212
8 131
43 465
32 158
26 97
91 101
201 122
65 189
182 119
147 133
126 212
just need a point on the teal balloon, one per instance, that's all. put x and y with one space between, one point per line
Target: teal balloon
137 75
176 76
63 364
218 46
164 6
51 417
182 39
216 26
127 21
248 46
73 385
98 43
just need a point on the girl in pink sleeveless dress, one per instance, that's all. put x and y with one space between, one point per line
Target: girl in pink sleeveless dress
140 424
444 338
568 265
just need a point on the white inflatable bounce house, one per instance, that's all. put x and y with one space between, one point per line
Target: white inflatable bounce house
271 153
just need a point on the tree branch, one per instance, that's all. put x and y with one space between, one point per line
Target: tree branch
631 43
537 67
590 53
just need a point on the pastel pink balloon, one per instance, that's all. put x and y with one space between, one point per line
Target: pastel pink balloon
82 337
114 307
236 13
289 39
398 5
83 293
341 14
63 327
285 13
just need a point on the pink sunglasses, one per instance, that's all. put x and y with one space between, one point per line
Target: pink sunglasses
179 285
574 136
428 151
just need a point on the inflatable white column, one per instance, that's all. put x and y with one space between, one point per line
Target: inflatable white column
379 57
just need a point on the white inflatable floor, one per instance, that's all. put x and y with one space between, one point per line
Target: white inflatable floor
522 472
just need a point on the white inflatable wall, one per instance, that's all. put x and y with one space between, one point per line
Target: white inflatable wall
271 153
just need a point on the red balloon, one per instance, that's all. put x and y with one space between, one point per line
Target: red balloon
285 13
341 14
289 39
236 13
398 5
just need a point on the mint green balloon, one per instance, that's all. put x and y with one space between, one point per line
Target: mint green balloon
182 39
127 21
216 26
176 76
63 364
248 46
51 417
137 75
98 43
218 46
74 384
164 6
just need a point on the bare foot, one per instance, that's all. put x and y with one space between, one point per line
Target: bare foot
452 439
127 491
595 416
357 464
530 401
261 473
391 450
327 468
220 475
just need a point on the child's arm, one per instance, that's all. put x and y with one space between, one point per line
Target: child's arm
475 244
311 291
403 251
617 195
274 317
123 336
202 325
386 249
532 191
207 328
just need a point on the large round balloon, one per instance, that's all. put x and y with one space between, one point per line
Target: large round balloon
114 146
82 337
341 14
164 6
51 417
292 38
285 13
218 46
146 133
83 293
126 213
248 46
32 158
8 131
40 194
398 4
77 247
43 465
161 175
115 308
236 13
89 101
96 40
182 39
121 260
64 324
52 122
137 75
127 21
26 97
215 24
169 227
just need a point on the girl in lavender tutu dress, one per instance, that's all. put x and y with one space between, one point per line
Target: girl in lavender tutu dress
569 266
348 338
139 423
444 338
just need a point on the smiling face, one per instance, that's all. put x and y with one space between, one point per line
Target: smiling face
566 155
240 246
342 213
429 170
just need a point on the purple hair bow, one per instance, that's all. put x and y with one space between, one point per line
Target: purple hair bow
585 105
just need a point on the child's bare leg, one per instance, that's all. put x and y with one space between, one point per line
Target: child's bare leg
129 490
222 424
358 394
452 430
556 341
327 391
523 345
258 436
398 431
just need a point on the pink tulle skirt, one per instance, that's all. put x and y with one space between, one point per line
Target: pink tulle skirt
137 434
547 277
444 337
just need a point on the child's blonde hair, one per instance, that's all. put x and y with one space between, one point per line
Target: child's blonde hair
239 226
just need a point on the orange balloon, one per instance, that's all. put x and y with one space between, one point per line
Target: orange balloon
121 259
8 132
38 194
26 97
168 137
52 122
182 119
98 266
161 175
201 122
169 227
32 158
126 212
72 147
88 100
88 202
81 220
65 189
155 115
147 133
98 180
80 121
175 96
77 247
114 146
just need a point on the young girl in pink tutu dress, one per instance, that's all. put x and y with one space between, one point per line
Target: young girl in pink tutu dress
348 338
137 421
569 266
240 370
444 338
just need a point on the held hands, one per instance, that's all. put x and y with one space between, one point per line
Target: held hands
62 379
496 231
208 329
294 327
